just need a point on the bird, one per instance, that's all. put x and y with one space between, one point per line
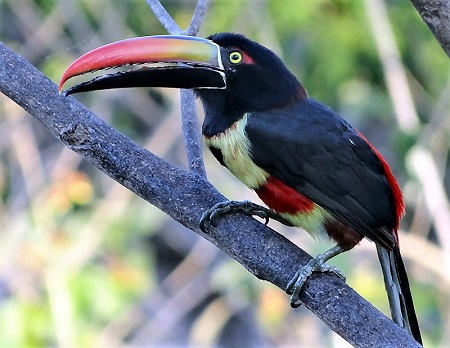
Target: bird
311 168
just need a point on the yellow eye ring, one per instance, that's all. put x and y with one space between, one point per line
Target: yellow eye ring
235 57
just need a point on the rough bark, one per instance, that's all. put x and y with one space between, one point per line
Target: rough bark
436 14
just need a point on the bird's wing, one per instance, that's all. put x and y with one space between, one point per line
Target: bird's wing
311 149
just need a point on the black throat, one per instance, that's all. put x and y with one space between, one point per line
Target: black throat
219 116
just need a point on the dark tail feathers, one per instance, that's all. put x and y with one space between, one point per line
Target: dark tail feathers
398 291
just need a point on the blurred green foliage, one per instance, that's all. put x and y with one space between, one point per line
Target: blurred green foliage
86 263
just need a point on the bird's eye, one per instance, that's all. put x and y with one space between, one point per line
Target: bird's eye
236 57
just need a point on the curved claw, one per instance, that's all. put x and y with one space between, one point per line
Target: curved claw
316 264
212 214
216 212
206 217
247 207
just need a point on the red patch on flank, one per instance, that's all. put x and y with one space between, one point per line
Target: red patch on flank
396 192
282 198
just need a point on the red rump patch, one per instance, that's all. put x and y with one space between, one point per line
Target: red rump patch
282 198
397 193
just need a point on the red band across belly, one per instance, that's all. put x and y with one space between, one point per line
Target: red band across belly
282 198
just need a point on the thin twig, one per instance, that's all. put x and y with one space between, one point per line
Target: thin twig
164 17
189 119
197 18
191 132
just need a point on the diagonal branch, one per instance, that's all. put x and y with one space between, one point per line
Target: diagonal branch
189 119
436 14
184 196
164 17
197 18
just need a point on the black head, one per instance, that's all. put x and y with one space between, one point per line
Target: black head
256 79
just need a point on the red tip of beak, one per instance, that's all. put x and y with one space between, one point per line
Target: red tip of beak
108 56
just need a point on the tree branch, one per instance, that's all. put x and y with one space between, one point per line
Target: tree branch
436 14
189 119
191 132
197 18
164 17
184 196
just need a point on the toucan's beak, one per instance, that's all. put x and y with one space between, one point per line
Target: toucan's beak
151 61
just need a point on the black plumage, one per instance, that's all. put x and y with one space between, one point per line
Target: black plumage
323 157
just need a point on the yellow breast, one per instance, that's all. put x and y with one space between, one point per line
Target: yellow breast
235 148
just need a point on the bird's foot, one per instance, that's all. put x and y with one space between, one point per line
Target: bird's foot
247 207
316 264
